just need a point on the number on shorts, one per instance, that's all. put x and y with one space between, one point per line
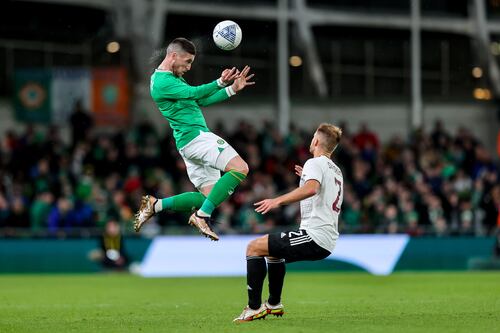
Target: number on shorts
294 233
336 208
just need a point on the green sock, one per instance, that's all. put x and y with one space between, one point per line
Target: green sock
184 202
222 190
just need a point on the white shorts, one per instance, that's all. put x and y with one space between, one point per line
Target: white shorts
205 157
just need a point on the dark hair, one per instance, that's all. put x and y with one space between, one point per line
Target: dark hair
185 44
178 43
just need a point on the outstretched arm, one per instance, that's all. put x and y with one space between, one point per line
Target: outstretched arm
310 188
241 80
175 88
227 76
216 97
178 89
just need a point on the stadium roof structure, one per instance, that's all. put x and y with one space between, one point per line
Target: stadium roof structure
143 23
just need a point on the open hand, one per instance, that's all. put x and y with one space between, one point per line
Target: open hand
266 205
243 80
298 170
228 75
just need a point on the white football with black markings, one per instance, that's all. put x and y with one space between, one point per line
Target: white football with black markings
227 35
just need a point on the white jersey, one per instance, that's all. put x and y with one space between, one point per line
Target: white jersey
320 213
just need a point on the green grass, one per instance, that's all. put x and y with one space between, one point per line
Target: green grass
314 302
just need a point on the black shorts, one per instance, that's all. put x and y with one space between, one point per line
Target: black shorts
295 245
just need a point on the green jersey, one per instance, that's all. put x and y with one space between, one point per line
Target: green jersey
180 103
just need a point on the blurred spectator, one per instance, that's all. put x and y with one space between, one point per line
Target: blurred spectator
390 221
366 139
81 124
491 205
18 216
61 215
496 251
439 136
430 184
113 250
40 210
4 210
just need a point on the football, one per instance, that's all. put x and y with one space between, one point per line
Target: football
227 35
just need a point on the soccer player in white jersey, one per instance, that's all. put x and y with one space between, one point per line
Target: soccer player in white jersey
320 194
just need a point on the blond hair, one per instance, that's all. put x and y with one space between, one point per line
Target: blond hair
330 136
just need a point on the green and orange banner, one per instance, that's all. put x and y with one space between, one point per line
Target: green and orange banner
110 100
32 100
49 95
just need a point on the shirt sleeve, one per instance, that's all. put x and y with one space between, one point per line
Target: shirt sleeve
216 97
177 89
312 170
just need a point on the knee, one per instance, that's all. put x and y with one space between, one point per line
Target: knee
243 168
237 164
252 249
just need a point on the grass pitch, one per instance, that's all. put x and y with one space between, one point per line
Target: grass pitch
314 302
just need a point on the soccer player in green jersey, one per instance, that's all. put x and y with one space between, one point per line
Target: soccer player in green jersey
205 154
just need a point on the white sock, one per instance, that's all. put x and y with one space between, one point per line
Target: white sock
158 207
202 213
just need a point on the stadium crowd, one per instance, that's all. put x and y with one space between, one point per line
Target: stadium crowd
428 184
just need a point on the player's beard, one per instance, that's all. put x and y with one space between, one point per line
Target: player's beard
176 71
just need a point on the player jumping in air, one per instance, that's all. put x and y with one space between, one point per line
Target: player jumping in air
320 194
204 153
